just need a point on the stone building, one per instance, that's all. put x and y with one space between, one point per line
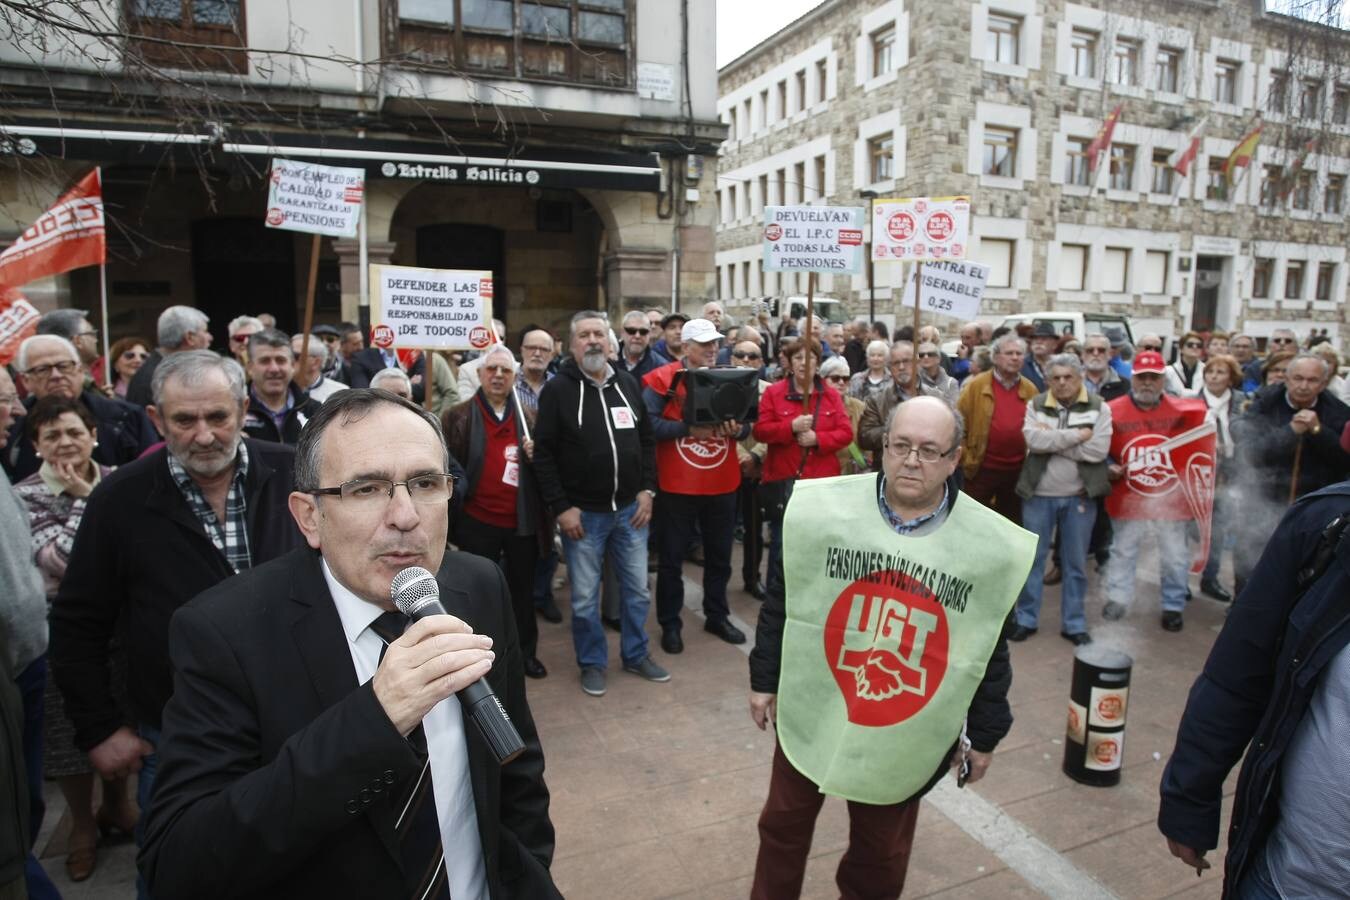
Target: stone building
558 143
1000 99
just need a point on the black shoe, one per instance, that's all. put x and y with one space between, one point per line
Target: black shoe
1020 633
1171 621
1216 591
612 624
757 590
534 668
671 642
550 612
1189 595
725 630
1079 639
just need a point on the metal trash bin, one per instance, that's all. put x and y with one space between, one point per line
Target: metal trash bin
1098 696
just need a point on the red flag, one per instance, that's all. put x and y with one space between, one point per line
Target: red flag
18 320
1102 141
1181 160
70 234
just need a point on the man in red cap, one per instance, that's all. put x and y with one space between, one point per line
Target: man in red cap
1152 491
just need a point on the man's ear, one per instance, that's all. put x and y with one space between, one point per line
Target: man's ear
305 510
156 420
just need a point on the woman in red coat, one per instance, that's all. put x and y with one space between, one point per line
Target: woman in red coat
799 444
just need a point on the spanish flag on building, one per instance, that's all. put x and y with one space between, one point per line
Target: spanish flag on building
1242 154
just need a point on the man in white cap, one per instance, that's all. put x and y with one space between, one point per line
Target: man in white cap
698 474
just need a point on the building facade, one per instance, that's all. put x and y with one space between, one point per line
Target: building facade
559 144
1000 100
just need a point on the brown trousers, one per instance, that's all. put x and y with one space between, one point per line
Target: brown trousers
879 841
997 489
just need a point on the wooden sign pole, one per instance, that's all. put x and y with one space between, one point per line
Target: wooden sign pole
914 363
302 364
806 331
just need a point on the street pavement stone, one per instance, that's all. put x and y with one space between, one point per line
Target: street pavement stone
657 788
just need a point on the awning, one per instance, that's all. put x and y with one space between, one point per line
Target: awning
476 166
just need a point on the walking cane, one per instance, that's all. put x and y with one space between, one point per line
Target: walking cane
1298 462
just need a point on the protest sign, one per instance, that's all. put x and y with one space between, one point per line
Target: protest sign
432 309
921 228
315 199
813 239
950 287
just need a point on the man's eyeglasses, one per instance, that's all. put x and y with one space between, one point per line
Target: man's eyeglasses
739 355
528 349
926 354
435 487
67 367
1281 340
926 453
636 331
1096 350
240 338
1156 348
91 333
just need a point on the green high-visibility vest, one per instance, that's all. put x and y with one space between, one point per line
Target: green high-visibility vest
887 636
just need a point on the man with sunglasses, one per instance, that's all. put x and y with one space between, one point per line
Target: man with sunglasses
638 356
50 366
1098 376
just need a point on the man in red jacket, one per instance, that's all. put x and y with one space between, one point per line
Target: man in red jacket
698 474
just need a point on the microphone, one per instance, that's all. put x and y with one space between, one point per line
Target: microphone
417 595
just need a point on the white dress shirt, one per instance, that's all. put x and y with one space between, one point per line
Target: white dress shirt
444 727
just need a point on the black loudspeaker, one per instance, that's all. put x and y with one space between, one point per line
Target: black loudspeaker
713 396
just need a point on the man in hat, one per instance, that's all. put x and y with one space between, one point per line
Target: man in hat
1042 346
671 345
334 368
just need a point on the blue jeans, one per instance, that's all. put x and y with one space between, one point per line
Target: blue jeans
1257 884
1075 517
610 532
145 788
1218 536
1174 558
32 683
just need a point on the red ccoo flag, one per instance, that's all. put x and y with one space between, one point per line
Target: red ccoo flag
1102 141
1181 159
69 235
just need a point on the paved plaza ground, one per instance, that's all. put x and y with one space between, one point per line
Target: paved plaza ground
657 787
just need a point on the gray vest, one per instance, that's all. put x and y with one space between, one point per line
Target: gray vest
1094 475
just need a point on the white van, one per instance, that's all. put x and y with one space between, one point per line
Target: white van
1078 324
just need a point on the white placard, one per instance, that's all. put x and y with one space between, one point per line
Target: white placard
315 199
656 81
951 287
430 309
813 239
921 228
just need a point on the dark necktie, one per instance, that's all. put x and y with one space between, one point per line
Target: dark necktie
417 827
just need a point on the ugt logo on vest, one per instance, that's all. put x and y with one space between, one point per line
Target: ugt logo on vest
886 641
703 454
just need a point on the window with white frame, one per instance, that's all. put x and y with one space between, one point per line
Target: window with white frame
1340 104
731 123
820 175
1216 184
822 79
1167 70
1077 162
1293 279
782 108
1083 47
799 179
1000 151
801 90
1161 182
1326 280
1334 196
1155 271
1272 177
763 119
1125 61
763 192
883 51
1122 167
745 279
1072 274
1303 190
1115 270
732 211
881 157
1277 95
1003 33
1262 270
782 195
997 254
1310 98
1226 72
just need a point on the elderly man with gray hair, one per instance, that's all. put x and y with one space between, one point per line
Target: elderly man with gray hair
180 328
994 405
310 369
1068 434
395 381
156 533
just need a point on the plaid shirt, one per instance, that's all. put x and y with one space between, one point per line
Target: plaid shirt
902 526
529 397
231 537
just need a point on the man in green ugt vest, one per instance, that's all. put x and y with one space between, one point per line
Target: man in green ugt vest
888 641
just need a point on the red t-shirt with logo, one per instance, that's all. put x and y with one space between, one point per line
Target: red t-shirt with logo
494 498
1007 447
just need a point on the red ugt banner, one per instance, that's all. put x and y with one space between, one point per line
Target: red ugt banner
18 320
69 235
1168 454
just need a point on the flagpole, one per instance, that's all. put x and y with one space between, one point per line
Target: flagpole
103 294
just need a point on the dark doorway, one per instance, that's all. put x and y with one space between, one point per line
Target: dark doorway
240 267
467 247
1208 277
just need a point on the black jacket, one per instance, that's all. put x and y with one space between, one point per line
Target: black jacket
123 431
1256 687
364 365
1266 445
989 718
259 424
281 776
650 360
582 457
138 389
139 554
15 832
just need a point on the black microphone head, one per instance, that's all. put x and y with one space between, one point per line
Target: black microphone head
413 589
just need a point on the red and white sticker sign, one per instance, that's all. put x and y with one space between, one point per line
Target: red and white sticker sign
433 309
315 199
921 228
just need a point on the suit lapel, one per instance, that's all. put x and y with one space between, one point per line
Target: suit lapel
316 629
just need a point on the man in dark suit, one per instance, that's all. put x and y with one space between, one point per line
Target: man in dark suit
366 363
156 533
307 727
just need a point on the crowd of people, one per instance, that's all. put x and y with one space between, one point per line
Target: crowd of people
138 482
